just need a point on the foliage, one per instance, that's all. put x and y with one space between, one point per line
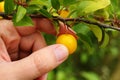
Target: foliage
95 22
89 10
84 65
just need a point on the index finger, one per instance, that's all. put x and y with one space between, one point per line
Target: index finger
26 30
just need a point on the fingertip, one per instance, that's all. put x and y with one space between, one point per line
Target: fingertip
61 52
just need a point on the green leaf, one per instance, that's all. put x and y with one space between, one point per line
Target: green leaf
45 13
105 40
85 35
102 13
69 2
115 5
32 9
55 4
25 21
37 2
82 30
90 76
86 7
9 6
97 32
51 75
61 75
1 0
83 58
50 39
21 12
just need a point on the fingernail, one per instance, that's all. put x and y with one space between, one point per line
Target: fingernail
61 53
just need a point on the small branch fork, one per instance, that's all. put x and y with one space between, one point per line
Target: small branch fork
20 2
100 24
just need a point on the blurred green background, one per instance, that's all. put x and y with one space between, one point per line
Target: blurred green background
95 63
98 64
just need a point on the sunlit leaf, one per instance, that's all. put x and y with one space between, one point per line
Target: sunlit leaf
25 21
37 2
90 76
97 32
20 13
102 13
105 40
86 7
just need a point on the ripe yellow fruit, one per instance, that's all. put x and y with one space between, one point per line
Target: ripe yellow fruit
64 13
69 41
2 6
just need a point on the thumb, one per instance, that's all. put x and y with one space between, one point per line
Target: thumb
40 62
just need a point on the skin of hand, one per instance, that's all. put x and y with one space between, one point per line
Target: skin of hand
24 54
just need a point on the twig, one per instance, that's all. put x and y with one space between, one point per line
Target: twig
88 22
5 16
20 2
68 19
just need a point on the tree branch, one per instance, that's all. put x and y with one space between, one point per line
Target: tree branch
5 16
100 24
88 22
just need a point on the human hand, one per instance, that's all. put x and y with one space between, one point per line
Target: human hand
23 55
